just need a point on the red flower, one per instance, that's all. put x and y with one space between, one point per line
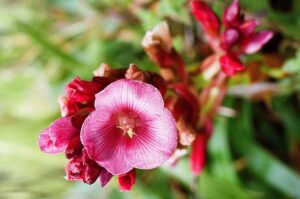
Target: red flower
239 36
80 94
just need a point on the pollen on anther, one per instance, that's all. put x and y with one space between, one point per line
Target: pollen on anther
130 133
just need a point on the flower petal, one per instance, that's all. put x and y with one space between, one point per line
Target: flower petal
105 177
209 20
231 64
104 142
231 15
130 94
248 27
154 128
154 143
255 42
81 90
56 138
229 38
46 143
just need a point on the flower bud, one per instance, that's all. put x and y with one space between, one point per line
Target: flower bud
127 180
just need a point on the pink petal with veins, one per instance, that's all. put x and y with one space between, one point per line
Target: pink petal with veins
130 128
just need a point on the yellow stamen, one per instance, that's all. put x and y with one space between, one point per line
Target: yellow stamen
130 132
127 130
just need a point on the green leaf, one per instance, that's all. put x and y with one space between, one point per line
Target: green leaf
255 5
149 19
259 161
293 65
273 171
289 116
221 164
211 187
175 10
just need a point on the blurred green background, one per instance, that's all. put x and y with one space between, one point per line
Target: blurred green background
45 43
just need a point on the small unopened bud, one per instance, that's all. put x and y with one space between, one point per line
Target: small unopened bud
104 70
91 172
74 147
134 73
127 180
159 36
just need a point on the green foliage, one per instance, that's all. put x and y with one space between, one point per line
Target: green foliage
260 162
219 151
292 65
214 187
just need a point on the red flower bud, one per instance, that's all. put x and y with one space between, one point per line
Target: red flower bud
198 154
91 172
206 17
105 177
74 147
199 148
231 16
127 180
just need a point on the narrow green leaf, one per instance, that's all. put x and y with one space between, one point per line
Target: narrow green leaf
219 153
36 36
214 188
289 116
259 161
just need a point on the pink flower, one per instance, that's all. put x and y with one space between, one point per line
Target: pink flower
130 128
132 115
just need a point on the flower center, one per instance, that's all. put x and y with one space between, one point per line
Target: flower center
126 124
